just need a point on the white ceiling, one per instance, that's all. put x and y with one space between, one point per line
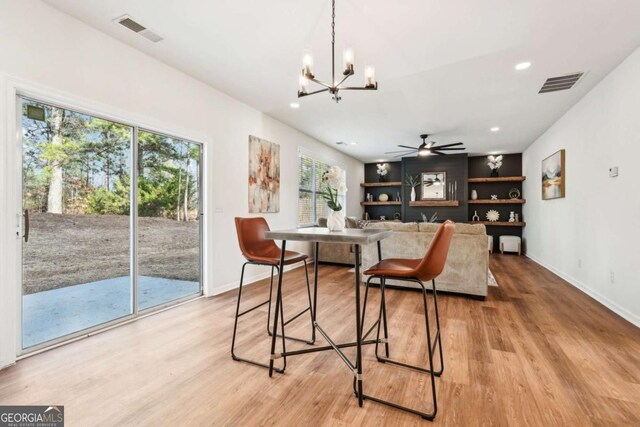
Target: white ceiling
443 67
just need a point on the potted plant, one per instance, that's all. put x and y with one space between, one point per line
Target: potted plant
382 172
412 181
495 163
335 185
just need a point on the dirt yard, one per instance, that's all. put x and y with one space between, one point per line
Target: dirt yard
65 250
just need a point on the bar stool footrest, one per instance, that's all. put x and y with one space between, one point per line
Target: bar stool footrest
426 416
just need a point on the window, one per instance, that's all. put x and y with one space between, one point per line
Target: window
311 204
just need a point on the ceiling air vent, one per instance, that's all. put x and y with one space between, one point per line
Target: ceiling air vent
128 22
555 84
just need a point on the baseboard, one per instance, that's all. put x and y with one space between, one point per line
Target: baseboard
249 280
4 364
620 311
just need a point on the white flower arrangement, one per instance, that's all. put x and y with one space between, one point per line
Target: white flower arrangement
495 162
382 169
334 180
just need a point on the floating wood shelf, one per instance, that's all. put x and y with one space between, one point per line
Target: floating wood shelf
381 184
390 203
500 223
499 179
420 203
497 202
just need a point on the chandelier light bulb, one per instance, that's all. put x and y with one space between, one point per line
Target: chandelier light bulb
369 76
307 64
304 85
348 59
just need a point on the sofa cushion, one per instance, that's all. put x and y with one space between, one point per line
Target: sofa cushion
461 228
349 222
393 225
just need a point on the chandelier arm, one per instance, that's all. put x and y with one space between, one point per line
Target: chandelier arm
302 95
320 83
359 87
342 81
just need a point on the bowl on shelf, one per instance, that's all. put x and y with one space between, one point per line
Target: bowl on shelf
384 197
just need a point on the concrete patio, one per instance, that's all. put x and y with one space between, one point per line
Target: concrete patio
54 313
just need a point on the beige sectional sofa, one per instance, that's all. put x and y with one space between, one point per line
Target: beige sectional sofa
466 270
338 253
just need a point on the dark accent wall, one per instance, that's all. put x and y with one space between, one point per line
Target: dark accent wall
511 166
456 167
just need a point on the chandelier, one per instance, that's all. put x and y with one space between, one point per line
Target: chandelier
347 64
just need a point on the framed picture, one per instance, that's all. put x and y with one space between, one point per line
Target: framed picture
434 185
264 176
553 176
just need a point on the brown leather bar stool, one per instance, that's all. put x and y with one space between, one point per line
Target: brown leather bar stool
260 251
418 271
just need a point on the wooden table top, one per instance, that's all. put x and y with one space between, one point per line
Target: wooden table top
323 235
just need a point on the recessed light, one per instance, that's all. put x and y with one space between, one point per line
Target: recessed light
494 129
294 105
353 143
523 66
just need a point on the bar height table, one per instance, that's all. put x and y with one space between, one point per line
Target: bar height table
318 235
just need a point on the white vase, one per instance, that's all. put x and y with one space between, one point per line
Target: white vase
413 194
335 220
474 195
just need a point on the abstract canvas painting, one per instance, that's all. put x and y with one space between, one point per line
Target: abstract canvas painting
553 176
264 176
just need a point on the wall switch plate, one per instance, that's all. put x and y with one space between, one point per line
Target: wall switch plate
613 171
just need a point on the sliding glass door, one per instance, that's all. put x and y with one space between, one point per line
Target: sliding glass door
84 240
169 220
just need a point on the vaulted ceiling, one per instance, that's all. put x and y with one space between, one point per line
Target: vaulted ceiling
444 67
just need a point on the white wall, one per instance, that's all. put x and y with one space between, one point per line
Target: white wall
597 224
52 53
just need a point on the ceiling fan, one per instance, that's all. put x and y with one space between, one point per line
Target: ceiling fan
427 148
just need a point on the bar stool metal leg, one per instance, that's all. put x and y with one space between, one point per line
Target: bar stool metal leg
235 327
309 308
382 317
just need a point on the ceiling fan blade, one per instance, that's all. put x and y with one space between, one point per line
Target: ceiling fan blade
406 146
438 153
449 149
430 144
399 151
449 145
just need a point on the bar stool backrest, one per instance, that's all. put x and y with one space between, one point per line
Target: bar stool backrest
251 239
434 260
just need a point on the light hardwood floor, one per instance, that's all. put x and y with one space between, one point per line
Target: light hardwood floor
536 352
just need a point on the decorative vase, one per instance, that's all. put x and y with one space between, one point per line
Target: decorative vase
335 220
382 178
494 173
474 195
413 194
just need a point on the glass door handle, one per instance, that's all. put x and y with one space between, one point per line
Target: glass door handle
26 225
